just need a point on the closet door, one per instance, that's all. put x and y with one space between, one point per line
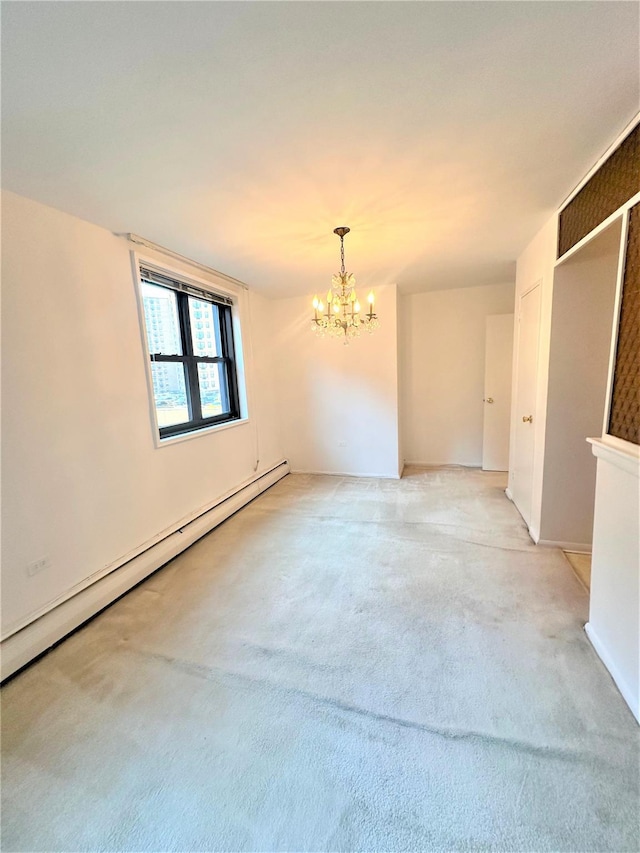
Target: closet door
526 384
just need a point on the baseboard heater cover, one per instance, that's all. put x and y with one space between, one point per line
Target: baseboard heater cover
34 639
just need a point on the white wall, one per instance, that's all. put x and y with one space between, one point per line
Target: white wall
614 611
83 482
339 402
584 290
442 352
614 621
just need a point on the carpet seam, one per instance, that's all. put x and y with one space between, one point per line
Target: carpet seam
218 675
524 549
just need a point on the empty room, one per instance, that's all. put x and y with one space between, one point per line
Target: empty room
320 426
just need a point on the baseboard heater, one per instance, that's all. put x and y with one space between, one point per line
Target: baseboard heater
34 639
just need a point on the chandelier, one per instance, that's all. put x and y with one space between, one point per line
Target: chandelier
343 312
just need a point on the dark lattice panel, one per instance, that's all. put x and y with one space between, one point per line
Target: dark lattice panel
624 421
616 181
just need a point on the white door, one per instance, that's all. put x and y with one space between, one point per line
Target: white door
525 410
497 392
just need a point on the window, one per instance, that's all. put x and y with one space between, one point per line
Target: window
194 378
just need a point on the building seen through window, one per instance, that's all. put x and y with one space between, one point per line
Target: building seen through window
190 343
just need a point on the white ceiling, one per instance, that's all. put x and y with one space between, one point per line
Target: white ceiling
241 133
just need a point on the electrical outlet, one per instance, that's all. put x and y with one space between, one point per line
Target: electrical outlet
38 566
342 444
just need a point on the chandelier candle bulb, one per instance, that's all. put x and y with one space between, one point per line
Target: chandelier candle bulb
343 307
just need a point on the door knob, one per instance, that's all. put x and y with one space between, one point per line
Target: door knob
489 400
528 419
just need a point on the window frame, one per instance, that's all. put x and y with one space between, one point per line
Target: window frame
225 334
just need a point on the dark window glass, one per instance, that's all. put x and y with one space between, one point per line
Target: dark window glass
194 379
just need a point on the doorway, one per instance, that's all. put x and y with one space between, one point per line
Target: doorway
584 288
497 392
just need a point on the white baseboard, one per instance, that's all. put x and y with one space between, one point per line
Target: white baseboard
346 474
444 464
35 638
632 699
578 547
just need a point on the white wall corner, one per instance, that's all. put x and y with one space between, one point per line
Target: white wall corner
630 697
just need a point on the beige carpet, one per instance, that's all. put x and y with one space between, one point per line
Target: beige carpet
346 664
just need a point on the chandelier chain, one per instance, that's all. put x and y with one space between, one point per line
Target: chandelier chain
342 270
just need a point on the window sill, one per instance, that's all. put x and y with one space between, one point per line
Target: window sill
198 433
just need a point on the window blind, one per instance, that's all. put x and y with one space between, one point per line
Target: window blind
154 277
